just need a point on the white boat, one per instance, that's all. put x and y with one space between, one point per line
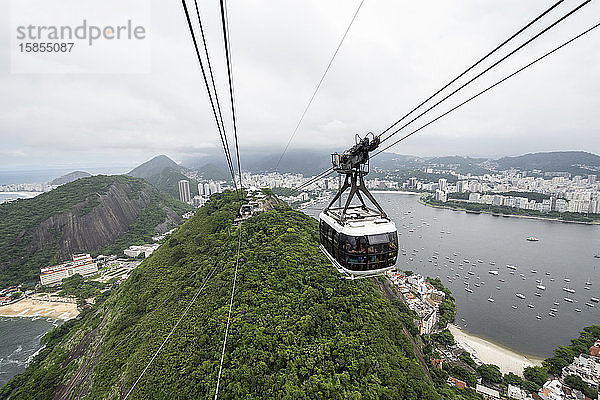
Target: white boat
514 307
480 261
466 261
540 286
492 263
590 305
552 314
554 309
534 271
538 294
568 289
497 287
490 300
493 272
595 300
530 306
519 295
556 303
568 299
501 280
532 239
587 288
578 310
567 280
510 266
588 283
538 317
477 285
468 289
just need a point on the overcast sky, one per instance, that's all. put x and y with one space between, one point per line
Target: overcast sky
396 54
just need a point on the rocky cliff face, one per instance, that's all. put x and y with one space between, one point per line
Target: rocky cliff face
101 213
79 231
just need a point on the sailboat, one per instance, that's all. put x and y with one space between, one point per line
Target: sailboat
540 286
568 289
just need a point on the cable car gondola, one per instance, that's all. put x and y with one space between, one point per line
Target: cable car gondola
360 241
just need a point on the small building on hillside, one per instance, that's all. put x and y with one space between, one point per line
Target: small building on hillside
487 393
456 383
81 264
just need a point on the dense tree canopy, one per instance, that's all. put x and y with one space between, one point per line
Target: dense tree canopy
297 330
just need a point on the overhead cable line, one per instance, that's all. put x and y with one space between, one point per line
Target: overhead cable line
212 103
328 171
214 87
225 24
490 67
209 276
237 261
489 88
318 86
475 64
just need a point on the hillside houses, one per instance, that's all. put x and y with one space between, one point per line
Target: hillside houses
421 297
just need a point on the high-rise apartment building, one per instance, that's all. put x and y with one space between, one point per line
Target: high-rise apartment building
184 191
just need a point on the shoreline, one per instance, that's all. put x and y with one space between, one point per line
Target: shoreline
395 191
490 352
509 215
32 308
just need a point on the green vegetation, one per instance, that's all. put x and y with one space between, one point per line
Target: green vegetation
512 379
465 357
566 216
575 382
490 373
297 331
283 191
444 337
538 375
564 355
78 287
461 373
21 257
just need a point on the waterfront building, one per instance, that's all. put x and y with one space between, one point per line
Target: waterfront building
585 366
440 195
487 393
552 390
81 264
184 191
443 184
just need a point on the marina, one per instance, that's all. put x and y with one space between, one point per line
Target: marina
508 319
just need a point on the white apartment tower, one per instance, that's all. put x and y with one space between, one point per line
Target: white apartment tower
184 191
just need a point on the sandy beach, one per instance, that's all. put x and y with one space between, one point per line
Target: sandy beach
37 308
491 353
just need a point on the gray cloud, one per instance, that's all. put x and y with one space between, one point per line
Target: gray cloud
397 53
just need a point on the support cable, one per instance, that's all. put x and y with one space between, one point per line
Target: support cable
237 262
490 67
318 86
225 24
221 134
474 65
489 88
173 329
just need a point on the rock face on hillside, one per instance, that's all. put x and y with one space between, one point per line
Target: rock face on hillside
297 331
100 213
89 231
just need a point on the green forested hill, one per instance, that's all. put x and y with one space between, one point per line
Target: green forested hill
106 213
297 330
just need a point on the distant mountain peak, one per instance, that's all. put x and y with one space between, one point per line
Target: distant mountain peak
70 177
154 167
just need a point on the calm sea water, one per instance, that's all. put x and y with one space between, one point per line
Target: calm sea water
564 251
20 340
